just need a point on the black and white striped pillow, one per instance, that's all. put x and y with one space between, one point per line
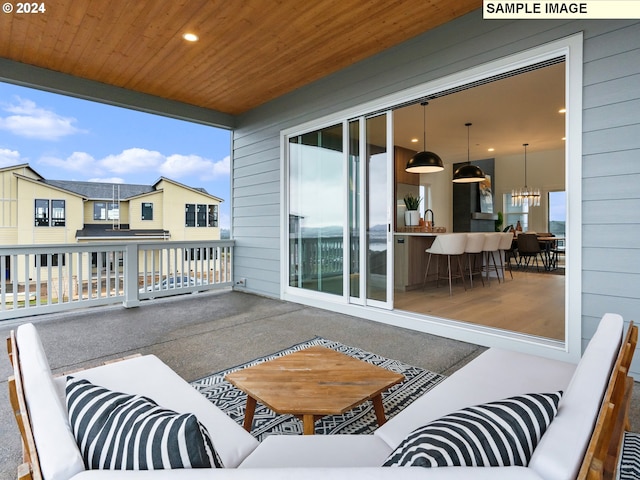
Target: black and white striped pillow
501 433
117 431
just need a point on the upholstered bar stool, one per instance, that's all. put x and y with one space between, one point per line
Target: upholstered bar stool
451 245
490 248
506 249
474 246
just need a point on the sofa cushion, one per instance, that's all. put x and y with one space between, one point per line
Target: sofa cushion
317 451
118 431
58 453
494 374
562 449
496 434
149 376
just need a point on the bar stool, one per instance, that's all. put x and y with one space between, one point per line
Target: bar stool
506 248
491 244
451 244
475 244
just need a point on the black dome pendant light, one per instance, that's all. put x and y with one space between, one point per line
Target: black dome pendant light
424 162
468 173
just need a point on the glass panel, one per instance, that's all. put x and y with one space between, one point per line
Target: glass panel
316 211
354 208
42 213
515 213
58 213
99 211
202 216
147 211
113 211
190 215
212 215
377 208
557 213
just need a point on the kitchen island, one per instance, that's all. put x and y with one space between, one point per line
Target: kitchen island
410 258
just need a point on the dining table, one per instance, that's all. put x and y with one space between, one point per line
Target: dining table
549 245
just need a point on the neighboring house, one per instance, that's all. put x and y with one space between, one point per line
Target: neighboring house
38 211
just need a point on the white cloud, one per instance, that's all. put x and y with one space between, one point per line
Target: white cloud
177 166
107 180
10 157
136 160
133 160
77 162
30 121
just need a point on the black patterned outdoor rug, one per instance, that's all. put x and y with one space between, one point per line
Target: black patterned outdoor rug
360 420
629 467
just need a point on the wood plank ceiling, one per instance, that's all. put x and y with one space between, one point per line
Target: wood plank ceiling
249 52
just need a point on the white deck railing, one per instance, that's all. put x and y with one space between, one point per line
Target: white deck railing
49 278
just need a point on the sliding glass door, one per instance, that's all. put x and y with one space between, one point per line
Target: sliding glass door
317 211
339 211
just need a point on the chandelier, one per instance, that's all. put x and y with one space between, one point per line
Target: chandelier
527 197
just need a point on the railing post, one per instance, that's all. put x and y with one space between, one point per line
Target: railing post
131 276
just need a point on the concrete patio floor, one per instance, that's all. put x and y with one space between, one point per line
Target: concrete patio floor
200 334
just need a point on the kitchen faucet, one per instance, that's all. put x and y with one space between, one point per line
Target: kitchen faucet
433 222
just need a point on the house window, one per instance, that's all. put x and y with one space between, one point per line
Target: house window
98 259
42 213
212 216
147 211
57 213
44 207
200 215
557 213
113 211
57 260
106 211
515 214
99 211
190 215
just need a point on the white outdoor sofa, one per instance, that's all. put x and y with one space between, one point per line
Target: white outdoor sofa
581 442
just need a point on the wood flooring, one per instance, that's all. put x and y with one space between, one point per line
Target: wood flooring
532 303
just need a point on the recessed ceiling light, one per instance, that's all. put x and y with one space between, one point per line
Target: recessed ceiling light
414 140
562 110
564 138
491 150
190 37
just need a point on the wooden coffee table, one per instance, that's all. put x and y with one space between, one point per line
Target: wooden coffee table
312 383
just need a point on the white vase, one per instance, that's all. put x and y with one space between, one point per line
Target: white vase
411 218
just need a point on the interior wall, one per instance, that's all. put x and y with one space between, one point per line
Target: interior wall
440 196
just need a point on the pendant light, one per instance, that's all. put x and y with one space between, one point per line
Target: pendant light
528 197
468 173
424 162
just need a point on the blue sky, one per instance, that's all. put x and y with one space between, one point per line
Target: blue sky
64 138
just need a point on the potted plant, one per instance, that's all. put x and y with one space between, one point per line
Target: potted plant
499 222
411 216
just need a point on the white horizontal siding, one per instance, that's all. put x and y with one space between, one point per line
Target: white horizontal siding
611 143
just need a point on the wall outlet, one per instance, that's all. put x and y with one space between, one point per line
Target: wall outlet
241 282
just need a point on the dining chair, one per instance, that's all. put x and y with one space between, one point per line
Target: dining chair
506 248
450 245
528 249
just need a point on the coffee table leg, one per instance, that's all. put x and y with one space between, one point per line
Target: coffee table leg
248 412
308 424
379 409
